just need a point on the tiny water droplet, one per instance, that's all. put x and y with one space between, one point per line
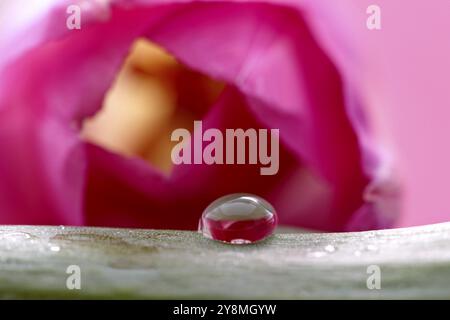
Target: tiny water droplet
239 219
330 248
372 247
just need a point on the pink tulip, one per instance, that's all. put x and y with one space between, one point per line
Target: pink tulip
296 65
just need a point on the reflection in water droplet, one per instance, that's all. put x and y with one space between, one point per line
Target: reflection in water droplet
238 219
240 241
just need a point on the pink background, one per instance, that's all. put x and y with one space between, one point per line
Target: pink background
414 44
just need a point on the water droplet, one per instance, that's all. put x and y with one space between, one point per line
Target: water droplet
372 247
330 248
239 219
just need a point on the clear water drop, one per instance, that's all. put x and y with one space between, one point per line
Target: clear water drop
239 219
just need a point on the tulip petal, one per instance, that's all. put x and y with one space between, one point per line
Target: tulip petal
42 170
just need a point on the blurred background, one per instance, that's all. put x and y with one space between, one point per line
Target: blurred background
413 51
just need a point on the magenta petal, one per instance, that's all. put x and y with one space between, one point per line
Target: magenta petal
42 170
43 96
